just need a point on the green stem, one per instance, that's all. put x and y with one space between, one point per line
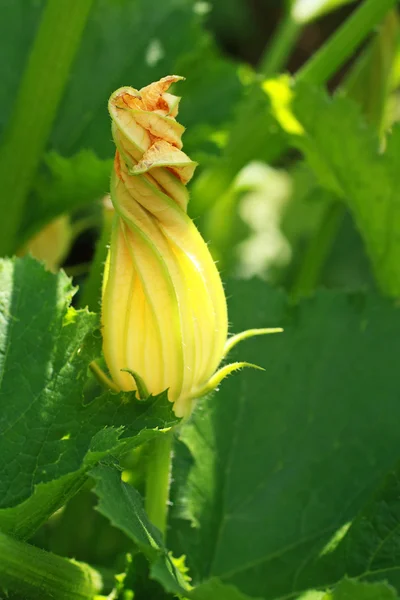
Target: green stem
343 43
318 250
279 49
36 105
29 572
158 480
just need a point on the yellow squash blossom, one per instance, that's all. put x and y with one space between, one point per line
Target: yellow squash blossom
164 311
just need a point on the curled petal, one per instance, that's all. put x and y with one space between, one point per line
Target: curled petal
162 154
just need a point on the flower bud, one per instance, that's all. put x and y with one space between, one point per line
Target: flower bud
164 311
52 243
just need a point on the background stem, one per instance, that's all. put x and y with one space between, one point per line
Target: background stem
39 95
318 250
344 41
279 49
158 479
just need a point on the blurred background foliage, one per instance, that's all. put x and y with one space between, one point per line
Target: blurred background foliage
258 205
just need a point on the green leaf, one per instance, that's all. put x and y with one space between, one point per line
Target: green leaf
345 154
123 506
47 433
354 590
283 460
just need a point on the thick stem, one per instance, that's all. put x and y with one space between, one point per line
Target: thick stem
36 105
158 480
343 43
28 572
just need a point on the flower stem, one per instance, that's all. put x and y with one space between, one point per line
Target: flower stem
29 572
158 480
39 95
344 41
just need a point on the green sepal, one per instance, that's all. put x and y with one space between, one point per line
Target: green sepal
223 372
142 390
244 335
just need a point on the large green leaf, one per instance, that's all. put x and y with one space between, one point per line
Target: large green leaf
49 437
368 547
346 155
116 51
282 460
130 43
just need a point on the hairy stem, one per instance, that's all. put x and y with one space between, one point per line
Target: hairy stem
158 480
29 572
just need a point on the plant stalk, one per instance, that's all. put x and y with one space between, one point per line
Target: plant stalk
343 43
29 572
40 92
158 479
279 49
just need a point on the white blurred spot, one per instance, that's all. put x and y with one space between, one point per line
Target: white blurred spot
261 209
312 595
304 10
154 53
201 8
